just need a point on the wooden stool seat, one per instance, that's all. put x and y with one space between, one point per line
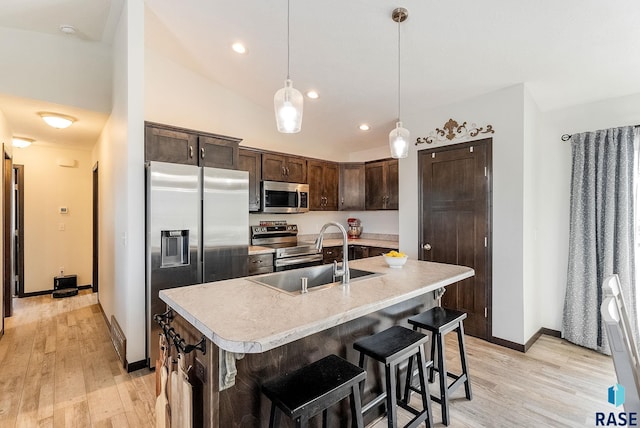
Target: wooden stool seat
314 388
440 321
391 347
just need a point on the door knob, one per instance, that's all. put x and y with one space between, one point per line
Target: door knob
427 247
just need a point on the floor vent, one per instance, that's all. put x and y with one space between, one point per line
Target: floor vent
119 341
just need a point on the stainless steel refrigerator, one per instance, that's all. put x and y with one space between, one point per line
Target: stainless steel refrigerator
197 223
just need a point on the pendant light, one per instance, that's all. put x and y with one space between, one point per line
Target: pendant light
399 136
288 100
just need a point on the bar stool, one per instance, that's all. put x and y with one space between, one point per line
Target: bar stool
305 392
440 321
391 347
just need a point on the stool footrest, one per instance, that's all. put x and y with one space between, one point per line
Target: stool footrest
380 399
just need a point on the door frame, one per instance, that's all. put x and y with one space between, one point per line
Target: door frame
489 206
18 171
95 229
7 234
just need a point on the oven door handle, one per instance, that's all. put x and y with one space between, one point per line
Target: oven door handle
298 260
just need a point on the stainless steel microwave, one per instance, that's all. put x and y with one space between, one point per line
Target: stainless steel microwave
285 198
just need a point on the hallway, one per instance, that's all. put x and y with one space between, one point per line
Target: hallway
58 368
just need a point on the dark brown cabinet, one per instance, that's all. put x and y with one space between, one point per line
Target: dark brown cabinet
277 167
169 145
377 251
323 185
381 185
331 254
352 187
251 161
259 263
166 143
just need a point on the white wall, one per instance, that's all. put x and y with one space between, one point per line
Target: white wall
47 187
120 153
63 70
554 176
504 109
531 298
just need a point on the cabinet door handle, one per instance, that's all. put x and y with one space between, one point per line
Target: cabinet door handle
342 201
287 171
284 171
190 151
202 152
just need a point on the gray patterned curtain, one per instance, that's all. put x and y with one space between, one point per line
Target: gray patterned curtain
601 239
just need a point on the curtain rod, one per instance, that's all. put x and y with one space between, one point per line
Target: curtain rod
567 137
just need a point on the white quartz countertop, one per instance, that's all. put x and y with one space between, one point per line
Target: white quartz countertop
240 315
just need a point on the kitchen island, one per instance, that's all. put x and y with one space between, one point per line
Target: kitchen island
254 332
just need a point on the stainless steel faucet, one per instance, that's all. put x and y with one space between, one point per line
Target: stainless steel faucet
344 272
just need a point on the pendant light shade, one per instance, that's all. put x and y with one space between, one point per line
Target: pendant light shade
399 141
288 106
399 137
288 101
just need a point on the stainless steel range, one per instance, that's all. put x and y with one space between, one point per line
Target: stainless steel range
284 238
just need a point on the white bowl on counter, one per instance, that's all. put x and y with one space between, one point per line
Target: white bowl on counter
395 262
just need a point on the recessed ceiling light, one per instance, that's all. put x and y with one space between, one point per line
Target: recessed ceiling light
313 94
56 120
364 127
239 48
68 29
22 142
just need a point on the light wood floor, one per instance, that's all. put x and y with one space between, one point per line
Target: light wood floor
58 369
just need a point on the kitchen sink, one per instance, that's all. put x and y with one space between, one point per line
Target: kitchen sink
318 277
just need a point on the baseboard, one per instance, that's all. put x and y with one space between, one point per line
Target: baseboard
43 292
136 365
550 332
524 348
508 344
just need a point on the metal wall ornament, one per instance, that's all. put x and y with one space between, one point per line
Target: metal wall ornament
454 131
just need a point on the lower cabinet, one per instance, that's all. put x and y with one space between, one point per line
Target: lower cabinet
260 263
329 254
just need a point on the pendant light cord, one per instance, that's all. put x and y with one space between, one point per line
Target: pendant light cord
288 43
399 21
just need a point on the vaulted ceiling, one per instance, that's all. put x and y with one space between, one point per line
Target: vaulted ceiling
567 52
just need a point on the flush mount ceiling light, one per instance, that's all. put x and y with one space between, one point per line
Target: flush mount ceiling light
68 29
399 137
288 100
313 94
239 48
364 127
55 120
22 142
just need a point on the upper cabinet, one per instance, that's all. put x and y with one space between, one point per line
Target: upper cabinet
177 145
381 185
352 187
278 167
251 161
323 185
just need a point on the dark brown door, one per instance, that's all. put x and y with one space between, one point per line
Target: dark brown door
375 183
251 161
8 234
165 145
18 252
218 152
330 185
315 171
455 194
273 167
351 187
96 228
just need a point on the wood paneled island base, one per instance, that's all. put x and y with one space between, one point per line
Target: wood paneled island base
328 322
